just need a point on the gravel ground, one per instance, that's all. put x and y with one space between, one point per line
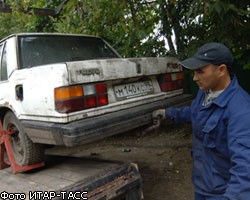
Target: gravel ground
163 157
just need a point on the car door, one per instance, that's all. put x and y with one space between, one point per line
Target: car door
4 83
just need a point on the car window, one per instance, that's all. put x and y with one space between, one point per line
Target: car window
1 49
41 50
4 75
3 64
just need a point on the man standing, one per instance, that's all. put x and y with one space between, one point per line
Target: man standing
220 117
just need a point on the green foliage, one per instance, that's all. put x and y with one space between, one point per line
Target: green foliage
225 21
125 24
17 22
142 27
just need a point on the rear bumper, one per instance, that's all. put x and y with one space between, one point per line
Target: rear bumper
96 128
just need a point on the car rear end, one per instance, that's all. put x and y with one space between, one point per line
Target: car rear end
101 93
107 97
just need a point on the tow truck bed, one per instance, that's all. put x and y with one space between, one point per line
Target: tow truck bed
62 177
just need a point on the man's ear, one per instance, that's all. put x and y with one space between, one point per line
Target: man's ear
223 69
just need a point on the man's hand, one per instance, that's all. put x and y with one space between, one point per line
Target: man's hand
159 114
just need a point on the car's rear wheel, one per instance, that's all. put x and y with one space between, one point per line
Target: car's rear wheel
25 151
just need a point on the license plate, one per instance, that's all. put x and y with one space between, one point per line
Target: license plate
131 90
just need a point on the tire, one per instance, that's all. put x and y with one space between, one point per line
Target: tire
25 151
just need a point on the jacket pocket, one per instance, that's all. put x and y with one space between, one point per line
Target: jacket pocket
209 133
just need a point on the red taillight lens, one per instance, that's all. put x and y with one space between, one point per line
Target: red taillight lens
76 98
90 102
102 99
69 105
166 86
101 88
171 81
167 78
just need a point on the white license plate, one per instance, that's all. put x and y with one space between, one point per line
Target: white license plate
131 90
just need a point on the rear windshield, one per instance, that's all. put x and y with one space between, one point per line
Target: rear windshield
43 49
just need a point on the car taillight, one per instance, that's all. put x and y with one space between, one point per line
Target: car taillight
80 97
171 81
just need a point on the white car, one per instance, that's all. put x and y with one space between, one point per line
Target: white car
64 89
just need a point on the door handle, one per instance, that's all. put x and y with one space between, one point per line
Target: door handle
19 92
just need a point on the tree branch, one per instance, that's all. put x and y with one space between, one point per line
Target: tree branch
5 8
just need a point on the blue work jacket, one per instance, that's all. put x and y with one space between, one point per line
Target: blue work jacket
221 142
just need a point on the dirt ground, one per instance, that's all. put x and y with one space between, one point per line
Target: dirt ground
163 157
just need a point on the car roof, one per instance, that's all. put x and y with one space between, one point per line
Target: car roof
46 34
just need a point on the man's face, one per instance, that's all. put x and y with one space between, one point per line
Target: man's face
207 77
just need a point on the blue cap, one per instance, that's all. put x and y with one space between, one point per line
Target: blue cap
210 53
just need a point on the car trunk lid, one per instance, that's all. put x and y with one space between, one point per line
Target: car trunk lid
121 68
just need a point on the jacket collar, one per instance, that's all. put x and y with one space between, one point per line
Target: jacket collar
226 95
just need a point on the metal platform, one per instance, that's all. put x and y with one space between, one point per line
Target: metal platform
99 178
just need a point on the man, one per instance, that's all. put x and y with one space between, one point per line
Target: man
220 117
